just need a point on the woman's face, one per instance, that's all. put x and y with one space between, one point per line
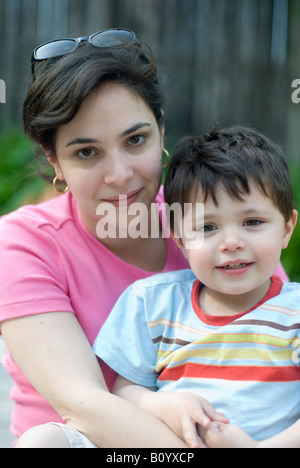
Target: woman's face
111 148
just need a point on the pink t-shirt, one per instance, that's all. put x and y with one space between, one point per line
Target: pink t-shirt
50 262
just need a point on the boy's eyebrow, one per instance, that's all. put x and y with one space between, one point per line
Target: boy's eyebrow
246 212
254 211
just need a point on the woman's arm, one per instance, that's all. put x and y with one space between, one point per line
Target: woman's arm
290 438
183 412
54 354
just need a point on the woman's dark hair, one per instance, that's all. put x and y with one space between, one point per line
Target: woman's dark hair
232 158
60 86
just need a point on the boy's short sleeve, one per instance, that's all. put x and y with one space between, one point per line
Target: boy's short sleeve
124 341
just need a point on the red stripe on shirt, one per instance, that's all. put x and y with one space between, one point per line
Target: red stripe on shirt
243 373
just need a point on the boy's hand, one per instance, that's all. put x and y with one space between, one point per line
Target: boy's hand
185 412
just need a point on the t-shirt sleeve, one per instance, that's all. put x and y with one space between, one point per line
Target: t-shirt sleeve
32 279
124 341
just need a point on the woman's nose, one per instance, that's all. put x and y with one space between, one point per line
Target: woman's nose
118 171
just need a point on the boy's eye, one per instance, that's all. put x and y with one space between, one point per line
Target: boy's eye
252 222
208 228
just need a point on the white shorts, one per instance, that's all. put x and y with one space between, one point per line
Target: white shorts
76 439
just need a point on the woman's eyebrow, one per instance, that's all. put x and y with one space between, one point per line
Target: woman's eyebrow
134 128
82 141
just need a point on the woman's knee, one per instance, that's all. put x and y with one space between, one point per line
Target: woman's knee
44 436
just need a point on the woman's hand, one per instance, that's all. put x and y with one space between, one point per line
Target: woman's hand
220 435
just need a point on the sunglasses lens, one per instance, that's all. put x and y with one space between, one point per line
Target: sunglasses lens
113 38
55 49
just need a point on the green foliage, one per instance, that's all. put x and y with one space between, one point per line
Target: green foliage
291 256
19 181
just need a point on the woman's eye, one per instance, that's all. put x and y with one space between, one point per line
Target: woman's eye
86 153
136 140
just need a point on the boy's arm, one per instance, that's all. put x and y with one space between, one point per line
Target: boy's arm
231 436
180 411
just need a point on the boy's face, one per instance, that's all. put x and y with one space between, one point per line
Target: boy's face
242 242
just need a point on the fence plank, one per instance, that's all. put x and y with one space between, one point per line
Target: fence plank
226 61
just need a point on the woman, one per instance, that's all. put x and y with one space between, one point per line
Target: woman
95 108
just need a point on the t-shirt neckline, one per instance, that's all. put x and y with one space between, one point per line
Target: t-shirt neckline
217 320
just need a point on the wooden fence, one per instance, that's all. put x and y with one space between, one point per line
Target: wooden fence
227 61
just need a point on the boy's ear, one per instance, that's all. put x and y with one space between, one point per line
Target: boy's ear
179 243
289 228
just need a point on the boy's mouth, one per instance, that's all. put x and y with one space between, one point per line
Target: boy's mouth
234 266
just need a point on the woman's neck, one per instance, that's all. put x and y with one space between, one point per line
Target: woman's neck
147 251
149 254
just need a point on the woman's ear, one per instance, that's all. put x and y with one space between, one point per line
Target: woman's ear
53 161
289 228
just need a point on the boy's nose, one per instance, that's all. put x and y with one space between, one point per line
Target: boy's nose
232 241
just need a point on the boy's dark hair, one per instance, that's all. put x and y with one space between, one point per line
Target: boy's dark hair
60 85
233 158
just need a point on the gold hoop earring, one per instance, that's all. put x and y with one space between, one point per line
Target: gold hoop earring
167 157
55 187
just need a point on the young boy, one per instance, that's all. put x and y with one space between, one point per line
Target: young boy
227 330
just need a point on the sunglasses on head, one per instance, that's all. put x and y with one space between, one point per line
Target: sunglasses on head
60 47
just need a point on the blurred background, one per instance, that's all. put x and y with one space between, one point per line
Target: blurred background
225 61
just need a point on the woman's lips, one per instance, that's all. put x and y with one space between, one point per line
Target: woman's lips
123 200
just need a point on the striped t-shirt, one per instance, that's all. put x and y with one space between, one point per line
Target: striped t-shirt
246 366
